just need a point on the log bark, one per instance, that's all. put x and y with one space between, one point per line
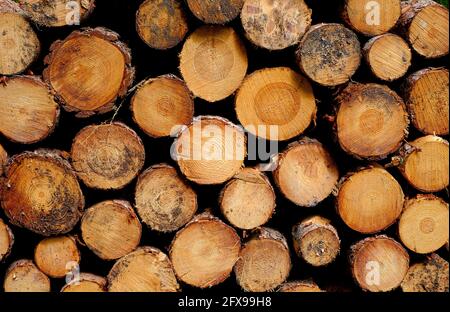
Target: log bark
204 252
145 270
6 240
276 97
24 276
388 56
426 95
164 201
424 224
216 11
161 106
379 264
161 24
275 25
370 200
86 283
28 110
306 173
111 229
3 161
42 193
300 287
210 151
329 54
264 262
372 121
430 275
316 241
105 76
213 62
107 156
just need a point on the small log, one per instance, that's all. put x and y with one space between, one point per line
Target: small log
24 276
306 173
424 224
161 24
370 200
162 105
213 62
276 97
145 270
86 283
248 200
316 241
204 252
425 163
104 76
264 262
107 156
300 287
57 256
379 264
28 110
388 56
275 25
164 201
372 121
430 275
426 95
42 193
371 18
6 240
329 54
216 11
111 229
425 25
211 150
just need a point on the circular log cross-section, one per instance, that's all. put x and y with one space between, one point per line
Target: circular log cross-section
213 62
19 44
372 121
425 24
42 193
316 241
86 283
162 105
277 24
370 200
57 256
89 70
371 18
161 24
204 252
111 229
306 173
427 98
211 150
248 200
28 111
107 156
6 240
425 164
264 262
388 57
329 54
24 276
216 11
300 287
379 264
432 276
145 270
276 104
164 201
424 224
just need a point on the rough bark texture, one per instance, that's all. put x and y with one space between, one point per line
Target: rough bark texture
216 11
430 275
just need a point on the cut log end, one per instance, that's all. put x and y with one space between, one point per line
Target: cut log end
378 192
111 229
213 62
379 264
24 276
162 105
86 283
424 224
3 160
145 270
107 156
432 275
300 287
204 252
306 173
276 104
216 12
275 25
6 240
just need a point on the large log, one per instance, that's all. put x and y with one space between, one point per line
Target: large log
24 276
431 275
